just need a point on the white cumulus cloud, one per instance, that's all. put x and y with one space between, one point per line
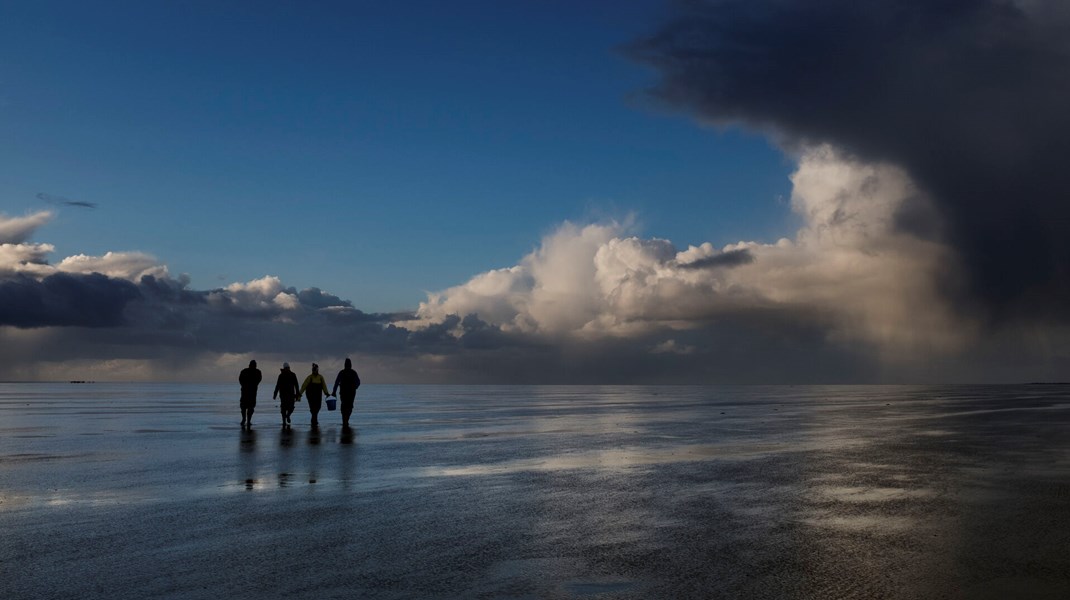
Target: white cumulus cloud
849 268
31 259
19 256
121 265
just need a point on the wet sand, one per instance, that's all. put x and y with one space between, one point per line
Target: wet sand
135 491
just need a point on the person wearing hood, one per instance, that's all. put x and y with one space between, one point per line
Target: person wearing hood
249 379
287 391
349 381
314 388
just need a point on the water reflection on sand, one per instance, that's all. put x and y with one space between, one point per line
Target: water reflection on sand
622 492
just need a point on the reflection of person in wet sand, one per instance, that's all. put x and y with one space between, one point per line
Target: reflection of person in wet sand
248 440
249 379
314 388
287 391
349 381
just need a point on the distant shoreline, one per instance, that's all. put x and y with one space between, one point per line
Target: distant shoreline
659 385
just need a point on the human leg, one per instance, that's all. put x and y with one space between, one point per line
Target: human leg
347 408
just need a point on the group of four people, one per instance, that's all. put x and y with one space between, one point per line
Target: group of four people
288 392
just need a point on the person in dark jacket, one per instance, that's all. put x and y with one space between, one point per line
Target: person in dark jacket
288 391
349 381
249 379
314 388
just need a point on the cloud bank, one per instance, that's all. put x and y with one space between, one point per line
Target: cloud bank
123 315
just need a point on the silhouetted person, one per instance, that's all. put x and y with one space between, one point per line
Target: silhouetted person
287 391
314 388
249 379
349 381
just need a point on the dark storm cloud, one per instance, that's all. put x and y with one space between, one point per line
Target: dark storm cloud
480 335
732 258
969 96
438 336
317 298
64 299
171 290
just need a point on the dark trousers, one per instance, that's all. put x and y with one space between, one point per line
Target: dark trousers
347 405
314 405
286 407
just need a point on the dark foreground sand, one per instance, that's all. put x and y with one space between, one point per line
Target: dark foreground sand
135 491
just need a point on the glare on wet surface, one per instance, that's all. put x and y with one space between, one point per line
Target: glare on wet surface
543 492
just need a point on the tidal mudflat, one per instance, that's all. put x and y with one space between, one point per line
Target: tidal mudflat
136 491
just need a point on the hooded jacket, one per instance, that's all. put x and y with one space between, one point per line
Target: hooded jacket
348 380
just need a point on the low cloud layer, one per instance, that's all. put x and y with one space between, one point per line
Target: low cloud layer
123 315
62 299
968 98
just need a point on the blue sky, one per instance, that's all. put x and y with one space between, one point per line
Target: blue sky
532 192
375 150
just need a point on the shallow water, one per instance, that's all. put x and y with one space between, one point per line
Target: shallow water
134 490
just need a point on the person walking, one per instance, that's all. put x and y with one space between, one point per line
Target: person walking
314 388
287 390
249 379
349 381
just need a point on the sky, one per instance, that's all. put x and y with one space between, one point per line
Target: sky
718 191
